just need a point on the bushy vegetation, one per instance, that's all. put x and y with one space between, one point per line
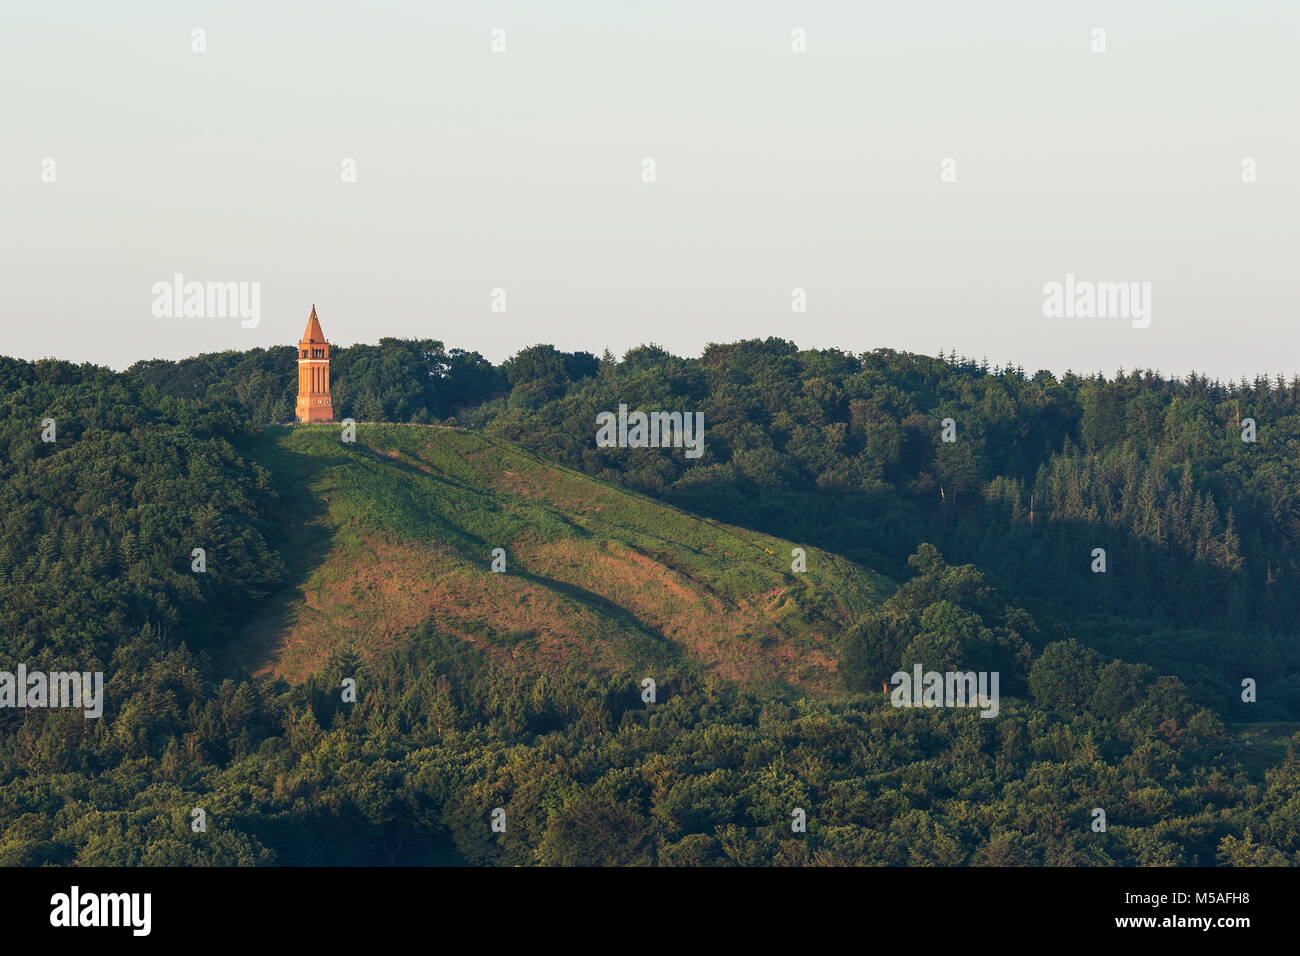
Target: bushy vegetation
398 380
1201 530
586 773
1120 691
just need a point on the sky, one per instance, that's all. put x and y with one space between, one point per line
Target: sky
921 171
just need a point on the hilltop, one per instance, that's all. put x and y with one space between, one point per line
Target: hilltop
397 530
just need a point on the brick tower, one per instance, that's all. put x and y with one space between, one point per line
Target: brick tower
314 375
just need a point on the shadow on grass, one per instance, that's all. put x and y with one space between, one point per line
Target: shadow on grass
300 538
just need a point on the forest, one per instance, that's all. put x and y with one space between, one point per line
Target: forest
1121 690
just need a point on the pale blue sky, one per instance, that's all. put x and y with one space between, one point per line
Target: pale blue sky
775 170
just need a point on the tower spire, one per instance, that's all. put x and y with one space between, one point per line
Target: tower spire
314 403
313 334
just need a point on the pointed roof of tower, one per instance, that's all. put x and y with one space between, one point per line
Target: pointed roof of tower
313 333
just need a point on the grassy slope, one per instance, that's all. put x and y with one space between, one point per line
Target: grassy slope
398 529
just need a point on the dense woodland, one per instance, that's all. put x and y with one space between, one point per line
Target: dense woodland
1120 690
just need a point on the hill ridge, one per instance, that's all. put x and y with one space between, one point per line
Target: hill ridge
397 530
